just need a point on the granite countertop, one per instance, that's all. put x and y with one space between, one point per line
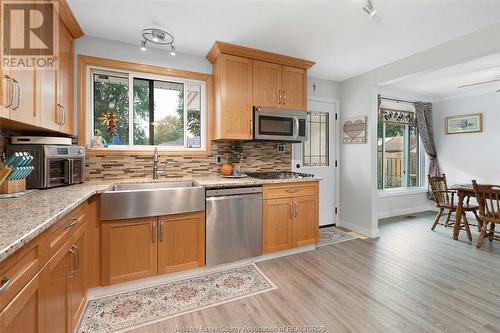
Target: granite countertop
24 218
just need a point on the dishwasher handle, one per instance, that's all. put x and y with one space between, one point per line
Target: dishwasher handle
234 197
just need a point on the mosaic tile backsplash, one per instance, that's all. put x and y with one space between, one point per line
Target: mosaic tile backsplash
257 157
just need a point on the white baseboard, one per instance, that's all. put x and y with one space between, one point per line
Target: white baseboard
161 279
370 233
404 211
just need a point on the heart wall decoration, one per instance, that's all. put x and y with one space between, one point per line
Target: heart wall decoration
355 130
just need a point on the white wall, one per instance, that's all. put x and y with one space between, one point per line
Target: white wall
324 88
464 157
358 97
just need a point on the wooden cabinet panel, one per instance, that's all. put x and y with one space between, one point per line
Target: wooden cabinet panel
77 282
25 312
55 286
47 100
277 233
289 190
59 233
233 89
23 108
181 242
65 79
122 262
92 213
305 220
266 84
294 88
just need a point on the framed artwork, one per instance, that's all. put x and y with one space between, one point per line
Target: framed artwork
355 130
470 123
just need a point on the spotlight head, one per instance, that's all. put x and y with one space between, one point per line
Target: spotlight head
172 50
369 9
143 45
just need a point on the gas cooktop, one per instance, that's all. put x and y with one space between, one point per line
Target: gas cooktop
279 175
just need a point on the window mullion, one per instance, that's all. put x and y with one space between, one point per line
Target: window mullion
184 87
131 110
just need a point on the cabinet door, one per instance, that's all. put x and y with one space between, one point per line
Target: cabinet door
77 286
233 81
65 79
277 225
47 100
294 88
25 312
55 286
181 242
23 108
128 249
266 84
305 220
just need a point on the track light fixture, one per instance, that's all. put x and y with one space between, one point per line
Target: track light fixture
369 9
159 37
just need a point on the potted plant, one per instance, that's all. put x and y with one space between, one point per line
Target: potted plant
235 157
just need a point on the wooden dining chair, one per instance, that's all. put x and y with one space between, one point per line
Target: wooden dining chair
445 201
488 197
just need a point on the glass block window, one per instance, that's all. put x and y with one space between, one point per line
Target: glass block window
315 147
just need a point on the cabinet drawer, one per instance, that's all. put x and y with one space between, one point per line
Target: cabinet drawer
18 269
60 232
289 190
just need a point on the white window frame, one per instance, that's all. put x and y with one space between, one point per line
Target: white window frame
134 74
394 191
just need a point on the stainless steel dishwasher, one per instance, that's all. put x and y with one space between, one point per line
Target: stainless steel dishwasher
234 224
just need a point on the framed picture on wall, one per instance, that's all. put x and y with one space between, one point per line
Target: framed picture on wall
470 123
355 130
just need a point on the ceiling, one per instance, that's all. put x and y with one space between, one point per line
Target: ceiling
338 35
448 82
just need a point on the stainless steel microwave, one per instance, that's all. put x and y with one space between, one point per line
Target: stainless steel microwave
279 125
55 165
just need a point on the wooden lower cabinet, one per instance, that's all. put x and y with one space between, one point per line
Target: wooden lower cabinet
129 249
181 242
160 245
64 284
25 312
290 216
277 230
305 221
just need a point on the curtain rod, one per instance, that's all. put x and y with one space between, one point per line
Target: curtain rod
396 100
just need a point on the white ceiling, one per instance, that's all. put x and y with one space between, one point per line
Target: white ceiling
338 35
444 83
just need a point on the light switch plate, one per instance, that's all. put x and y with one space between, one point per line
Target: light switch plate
280 149
218 159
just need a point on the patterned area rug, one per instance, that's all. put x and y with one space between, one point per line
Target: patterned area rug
125 311
331 235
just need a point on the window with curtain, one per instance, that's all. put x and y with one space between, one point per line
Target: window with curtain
398 148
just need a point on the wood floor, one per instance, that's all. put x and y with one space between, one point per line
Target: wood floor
409 280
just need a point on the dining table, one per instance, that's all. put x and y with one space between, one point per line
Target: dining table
463 191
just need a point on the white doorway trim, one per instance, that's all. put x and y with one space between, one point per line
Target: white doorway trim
336 150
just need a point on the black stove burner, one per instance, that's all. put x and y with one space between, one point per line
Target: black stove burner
279 175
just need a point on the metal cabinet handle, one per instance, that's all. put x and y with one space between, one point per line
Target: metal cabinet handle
77 269
279 92
16 92
153 231
284 97
72 271
251 126
293 190
291 210
162 230
10 90
296 209
70 225
59 114
63 112
4 284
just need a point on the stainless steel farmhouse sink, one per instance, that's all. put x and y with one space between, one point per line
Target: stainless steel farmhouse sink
125 201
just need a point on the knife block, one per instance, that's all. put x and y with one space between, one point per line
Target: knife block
13 186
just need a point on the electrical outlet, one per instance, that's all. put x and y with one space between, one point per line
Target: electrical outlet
280 149
218 159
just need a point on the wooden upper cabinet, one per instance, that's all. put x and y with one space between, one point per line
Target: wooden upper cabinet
246 77
181 242
122 262
233 102
294 88
266 84
65 80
